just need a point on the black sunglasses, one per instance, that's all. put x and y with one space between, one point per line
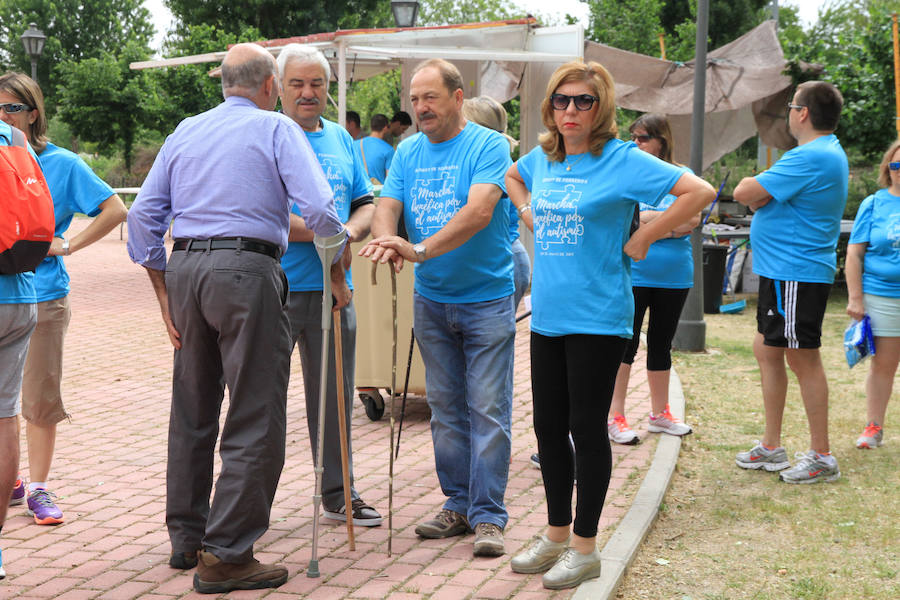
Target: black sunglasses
643 138
582 101
11 108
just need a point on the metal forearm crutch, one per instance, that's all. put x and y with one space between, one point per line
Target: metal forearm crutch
327 249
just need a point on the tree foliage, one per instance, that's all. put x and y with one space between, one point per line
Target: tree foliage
281 18
75 30
852 42
444 12
102 100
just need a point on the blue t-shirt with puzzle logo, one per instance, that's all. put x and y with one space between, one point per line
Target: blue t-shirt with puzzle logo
344 171
432 181
669 263
878 225
794 236
582 277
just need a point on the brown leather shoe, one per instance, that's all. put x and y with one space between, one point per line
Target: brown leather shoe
216 577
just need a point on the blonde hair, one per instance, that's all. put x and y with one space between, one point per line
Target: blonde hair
28 92
884 172
603 128
489 113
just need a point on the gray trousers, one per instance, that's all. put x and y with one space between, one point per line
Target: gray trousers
228 307
304 310
17 322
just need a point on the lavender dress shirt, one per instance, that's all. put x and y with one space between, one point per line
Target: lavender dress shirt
234 170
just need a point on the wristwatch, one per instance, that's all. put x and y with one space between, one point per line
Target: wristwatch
419 249
65 247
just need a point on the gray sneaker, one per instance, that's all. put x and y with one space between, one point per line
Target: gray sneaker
811 469
446 524
539 557
872 436
758 457
488 540
572 568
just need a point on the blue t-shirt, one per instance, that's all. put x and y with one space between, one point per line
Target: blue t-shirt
582 277
344 171
669 262
878 225
18 288
378 154
75 189
795 235
432 181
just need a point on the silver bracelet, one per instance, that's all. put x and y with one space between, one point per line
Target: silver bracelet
523 208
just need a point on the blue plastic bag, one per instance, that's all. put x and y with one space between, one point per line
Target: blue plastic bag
859 341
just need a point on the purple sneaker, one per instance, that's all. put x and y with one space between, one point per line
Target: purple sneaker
18 493
42 508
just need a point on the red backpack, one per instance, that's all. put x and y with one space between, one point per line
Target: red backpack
26 209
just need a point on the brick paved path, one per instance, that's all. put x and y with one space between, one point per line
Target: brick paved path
109 473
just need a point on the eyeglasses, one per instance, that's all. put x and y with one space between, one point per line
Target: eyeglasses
894 166
12 108
582 101
643 138
797 106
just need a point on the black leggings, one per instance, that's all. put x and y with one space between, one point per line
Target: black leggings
665 309
572 381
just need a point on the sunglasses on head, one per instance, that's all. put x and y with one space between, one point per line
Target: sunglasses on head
582 101
894 166
643 138
14 107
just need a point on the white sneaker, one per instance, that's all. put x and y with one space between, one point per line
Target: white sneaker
665 422
619 431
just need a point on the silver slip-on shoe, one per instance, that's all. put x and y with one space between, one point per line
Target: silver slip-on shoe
539 557
571 569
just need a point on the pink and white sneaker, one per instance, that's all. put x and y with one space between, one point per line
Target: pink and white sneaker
665 422
619 431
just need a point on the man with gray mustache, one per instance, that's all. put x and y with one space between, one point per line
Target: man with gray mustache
448 183
304 74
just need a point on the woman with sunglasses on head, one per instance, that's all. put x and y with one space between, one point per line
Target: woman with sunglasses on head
584 185
872 269
661 283
75 189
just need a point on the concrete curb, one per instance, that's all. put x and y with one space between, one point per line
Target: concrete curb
622 547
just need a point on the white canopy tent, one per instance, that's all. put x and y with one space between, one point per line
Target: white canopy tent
500 59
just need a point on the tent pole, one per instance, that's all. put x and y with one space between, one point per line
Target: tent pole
342 83
691 333
896 71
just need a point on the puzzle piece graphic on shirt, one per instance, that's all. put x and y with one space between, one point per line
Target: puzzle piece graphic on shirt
556 220
433 203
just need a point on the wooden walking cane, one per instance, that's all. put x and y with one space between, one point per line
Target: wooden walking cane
342 426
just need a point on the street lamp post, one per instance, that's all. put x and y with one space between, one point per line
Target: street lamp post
33 39
405 12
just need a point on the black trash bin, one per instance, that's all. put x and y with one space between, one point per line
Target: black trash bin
714 257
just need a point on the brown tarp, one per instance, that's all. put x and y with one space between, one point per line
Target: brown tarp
746 91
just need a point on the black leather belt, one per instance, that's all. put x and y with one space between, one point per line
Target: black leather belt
229 243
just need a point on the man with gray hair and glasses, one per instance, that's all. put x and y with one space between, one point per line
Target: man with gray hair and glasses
228 177
304 74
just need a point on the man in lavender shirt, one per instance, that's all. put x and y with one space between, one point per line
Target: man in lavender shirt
228 177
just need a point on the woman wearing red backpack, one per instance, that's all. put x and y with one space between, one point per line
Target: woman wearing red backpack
75 189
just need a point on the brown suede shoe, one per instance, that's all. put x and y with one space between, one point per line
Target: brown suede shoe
216 577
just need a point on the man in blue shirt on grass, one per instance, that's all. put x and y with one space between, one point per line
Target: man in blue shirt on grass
798 204
447 182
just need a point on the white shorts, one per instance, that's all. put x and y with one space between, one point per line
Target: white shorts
885 314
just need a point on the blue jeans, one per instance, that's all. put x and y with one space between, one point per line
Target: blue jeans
521 271
468 354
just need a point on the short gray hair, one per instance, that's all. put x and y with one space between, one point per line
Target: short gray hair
248 75
303 54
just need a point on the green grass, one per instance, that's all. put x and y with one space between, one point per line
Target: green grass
744 534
